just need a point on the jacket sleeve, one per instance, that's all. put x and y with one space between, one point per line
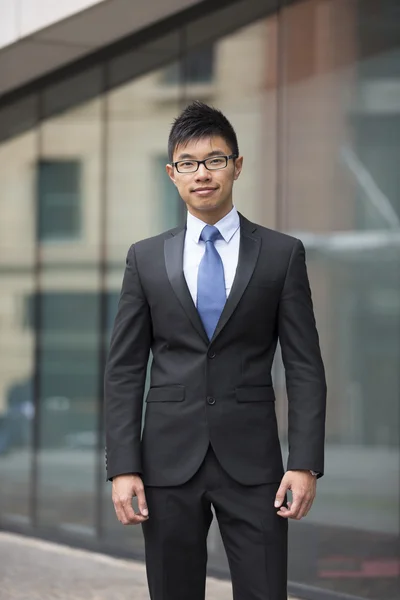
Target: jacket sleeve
125 375
304 369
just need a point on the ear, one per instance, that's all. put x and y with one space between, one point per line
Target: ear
238 166
170 172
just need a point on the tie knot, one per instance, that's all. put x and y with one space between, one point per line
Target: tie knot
209 233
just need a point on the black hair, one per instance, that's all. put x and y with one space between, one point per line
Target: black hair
198 120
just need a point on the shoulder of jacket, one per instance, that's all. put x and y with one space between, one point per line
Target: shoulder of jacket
154 240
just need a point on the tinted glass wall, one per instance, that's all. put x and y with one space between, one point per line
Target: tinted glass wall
313 92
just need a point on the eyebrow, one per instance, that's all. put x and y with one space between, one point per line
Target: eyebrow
213 153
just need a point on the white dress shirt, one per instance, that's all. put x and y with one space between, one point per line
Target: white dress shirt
227 246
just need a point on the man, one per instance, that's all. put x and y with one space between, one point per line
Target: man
210 300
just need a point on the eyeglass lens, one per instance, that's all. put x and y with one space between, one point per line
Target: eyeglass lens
212 164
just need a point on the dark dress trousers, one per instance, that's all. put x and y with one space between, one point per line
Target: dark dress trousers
210 434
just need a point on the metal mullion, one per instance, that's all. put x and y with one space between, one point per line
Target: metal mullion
103 304
37 327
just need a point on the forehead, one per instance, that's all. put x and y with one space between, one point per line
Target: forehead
201 147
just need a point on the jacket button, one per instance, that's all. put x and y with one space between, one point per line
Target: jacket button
211 354
210 400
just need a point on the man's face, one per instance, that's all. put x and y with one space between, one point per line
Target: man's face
207 194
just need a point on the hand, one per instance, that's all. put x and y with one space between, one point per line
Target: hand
124 488
303 486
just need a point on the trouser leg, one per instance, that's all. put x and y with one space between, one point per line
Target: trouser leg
176 540
255 539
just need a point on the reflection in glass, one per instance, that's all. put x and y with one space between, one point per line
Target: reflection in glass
341 198
69 230
17 335
59 199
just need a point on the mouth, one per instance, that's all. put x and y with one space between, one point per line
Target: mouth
206 191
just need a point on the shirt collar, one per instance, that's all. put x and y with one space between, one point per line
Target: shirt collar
227 226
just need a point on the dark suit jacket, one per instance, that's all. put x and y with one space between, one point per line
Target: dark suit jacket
217 391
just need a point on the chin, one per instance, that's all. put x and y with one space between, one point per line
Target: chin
208 204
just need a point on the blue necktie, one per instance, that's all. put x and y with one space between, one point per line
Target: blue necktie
211 294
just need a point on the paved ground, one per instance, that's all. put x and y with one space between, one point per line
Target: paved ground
31 569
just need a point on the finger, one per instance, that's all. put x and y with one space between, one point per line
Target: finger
118 511
302 510
305 506
284 511
281 493
292 512
142 504
130 517
137 519
127 508
301 497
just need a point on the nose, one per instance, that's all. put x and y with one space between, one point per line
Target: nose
202 173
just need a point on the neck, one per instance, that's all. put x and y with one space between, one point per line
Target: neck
211 217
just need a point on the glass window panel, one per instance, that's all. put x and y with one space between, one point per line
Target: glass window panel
340 191
69 370
171 203
59 199
226 19
196 67
71 91
149 56
251 108
17 334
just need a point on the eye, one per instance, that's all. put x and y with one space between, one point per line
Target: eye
217 161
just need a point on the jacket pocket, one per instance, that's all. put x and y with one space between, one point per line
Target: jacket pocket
262 393
172 393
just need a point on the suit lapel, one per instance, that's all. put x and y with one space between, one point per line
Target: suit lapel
173 253
248 254
249 250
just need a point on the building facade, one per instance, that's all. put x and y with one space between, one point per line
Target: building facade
312 88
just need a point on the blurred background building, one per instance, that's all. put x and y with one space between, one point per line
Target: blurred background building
88 92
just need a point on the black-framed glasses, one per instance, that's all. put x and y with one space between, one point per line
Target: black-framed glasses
214 163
